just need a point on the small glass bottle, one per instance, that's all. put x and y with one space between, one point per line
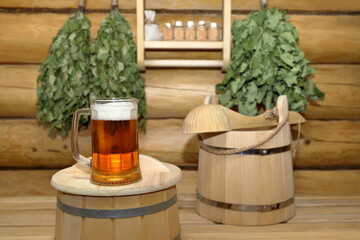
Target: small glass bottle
214 32
190 33
201 31
179 33
168 33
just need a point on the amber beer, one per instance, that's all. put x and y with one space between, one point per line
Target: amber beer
114 136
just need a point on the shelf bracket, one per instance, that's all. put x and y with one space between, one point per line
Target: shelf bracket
140 34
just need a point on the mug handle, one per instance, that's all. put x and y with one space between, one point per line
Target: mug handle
86 161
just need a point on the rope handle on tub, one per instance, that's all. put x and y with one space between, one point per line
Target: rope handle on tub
269 114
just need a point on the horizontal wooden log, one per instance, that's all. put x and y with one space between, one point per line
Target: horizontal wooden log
336 95
25 38
317 5
23 143
165 98
308 5
21 81
327 182
37 183
328 49
39 31
328 143
331 131
306 182
172 93
341 84
317 154
33 183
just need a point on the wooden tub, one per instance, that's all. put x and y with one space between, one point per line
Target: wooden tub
141 211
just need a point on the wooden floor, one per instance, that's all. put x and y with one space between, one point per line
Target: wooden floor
317 217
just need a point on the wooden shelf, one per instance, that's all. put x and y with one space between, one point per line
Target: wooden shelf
183 63
224 45
216 45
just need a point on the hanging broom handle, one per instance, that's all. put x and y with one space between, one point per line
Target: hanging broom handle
81 7
114 4
264 3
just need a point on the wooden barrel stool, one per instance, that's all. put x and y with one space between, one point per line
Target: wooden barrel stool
252 187
144 210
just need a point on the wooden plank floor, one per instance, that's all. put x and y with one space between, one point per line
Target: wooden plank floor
317 217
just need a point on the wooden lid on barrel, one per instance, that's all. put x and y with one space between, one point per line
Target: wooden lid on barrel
156 176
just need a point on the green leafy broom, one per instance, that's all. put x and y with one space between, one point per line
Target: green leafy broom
62 85
266 62
113 63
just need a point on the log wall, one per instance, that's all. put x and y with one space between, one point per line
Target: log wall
329 36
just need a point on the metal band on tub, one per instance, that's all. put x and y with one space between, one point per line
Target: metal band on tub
246 207
260 152
115 213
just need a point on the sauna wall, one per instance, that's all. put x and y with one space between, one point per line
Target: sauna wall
328 158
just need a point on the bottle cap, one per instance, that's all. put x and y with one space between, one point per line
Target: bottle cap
190 23
168 25
213 25
201 22
178 23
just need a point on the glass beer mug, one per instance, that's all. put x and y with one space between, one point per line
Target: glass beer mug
114 138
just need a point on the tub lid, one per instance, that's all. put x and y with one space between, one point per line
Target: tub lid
156 176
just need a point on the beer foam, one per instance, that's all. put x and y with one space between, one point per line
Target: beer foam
114 111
